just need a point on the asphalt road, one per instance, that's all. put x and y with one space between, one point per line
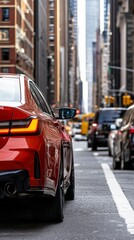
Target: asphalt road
102 209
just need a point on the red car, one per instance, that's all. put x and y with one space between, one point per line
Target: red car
36 153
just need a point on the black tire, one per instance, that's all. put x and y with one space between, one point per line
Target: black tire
109 152
56 206
50 209
88 144
70 195
125 165
39 209
116 165
94 145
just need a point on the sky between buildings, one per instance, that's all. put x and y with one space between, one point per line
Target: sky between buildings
82 44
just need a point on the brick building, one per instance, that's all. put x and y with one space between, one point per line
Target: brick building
16 37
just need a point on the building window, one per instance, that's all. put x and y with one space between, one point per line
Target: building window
5 54
5 14
5 70
51 4
51 28
51 20
4 34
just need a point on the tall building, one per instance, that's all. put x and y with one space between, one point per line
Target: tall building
73 55
92 22
125 23
106 18
105 85
74 10
54 51
16 37
64 63
77 92
114 46
40 46
62 57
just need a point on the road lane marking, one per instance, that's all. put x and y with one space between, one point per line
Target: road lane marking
96 154
76 164
123 206
81 150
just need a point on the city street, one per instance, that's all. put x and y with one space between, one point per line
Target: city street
97 213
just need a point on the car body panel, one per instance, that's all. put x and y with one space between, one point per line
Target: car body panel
40 153
124 140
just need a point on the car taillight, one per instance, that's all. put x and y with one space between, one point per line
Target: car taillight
28 126
94 125
4 127
131 130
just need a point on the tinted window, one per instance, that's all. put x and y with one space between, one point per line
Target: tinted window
5 14
9 90
78 126
110 115
5 54
39 99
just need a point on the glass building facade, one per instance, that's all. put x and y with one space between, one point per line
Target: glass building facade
92 24
74 4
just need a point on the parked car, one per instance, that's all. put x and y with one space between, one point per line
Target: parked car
123 149
36 153
113 131
100 128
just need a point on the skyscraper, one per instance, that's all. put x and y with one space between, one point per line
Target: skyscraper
73 6
92 23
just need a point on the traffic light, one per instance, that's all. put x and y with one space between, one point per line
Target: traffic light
127 100
112 99
107 99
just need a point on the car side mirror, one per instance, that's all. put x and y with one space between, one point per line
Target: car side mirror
64 113
113 127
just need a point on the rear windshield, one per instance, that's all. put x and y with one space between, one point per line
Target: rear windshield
9 90
78 126
110 115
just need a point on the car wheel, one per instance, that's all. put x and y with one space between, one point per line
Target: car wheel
50 209
109 152
56 205
94 145
125 165
88 144
71 190
116 165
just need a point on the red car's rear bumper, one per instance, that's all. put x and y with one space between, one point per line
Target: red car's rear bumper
13 182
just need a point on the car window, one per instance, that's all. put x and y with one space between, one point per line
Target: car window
78 126
110 115
9 89
39 99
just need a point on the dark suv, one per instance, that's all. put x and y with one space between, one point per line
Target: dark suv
100 128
